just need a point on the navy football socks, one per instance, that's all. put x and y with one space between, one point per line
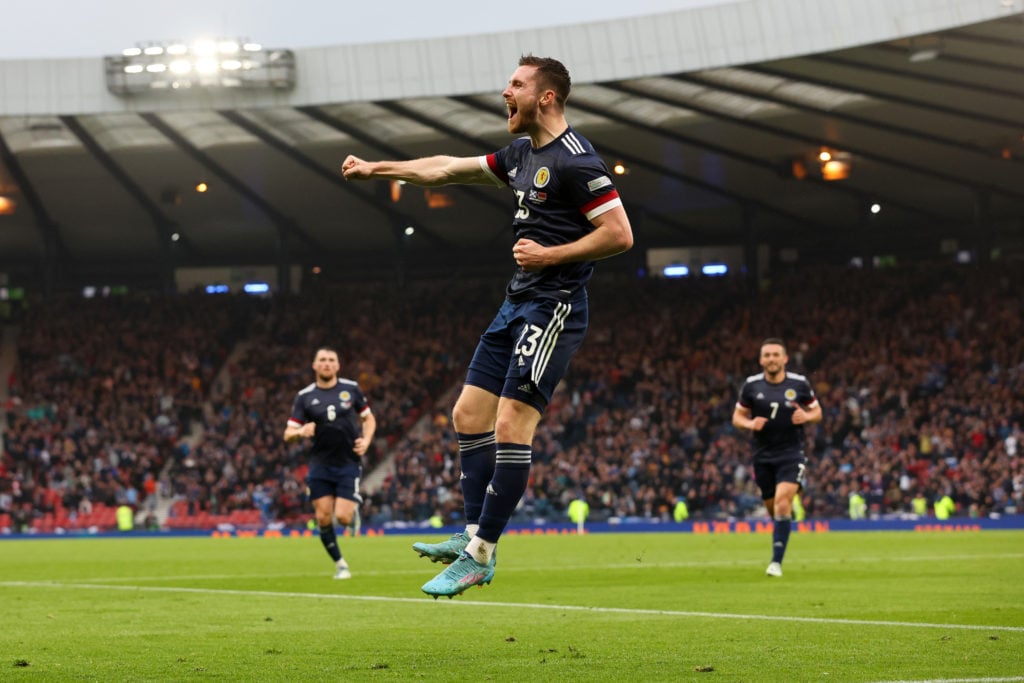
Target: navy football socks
780 537
511 476
476 459
330 541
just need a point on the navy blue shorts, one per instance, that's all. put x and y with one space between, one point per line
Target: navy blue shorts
339 481
527 348
769 473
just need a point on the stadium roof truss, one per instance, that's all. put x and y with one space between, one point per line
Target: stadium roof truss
930 130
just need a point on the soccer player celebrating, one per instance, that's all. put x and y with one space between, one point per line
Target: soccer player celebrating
568 214
776 405
334 413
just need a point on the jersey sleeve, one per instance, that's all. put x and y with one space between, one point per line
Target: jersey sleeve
362 404
498 164
744 399
807 397
591 186
298 416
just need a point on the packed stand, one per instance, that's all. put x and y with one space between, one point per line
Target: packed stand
920 372
104 392
404 345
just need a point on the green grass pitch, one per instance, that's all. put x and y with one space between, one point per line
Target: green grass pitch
872 606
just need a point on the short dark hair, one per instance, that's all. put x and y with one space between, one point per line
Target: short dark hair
552 74
774 340
329 349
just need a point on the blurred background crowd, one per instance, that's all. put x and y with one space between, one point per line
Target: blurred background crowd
174 405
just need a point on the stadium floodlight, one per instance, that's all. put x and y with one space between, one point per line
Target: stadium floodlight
714 269
206 64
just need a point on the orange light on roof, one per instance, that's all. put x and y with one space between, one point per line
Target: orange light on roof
438 200
835 170
202 187
7 206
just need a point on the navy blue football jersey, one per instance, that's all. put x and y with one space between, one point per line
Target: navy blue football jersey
338 413
776 401
559 189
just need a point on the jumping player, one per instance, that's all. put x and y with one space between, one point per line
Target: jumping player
567 215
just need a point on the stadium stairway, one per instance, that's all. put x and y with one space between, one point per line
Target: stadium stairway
8 361
375 479
220 386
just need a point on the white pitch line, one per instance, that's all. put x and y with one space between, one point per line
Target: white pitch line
962 680
515 605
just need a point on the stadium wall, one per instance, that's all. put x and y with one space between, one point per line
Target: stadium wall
725 33
821 526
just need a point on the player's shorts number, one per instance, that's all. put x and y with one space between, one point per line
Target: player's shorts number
526 345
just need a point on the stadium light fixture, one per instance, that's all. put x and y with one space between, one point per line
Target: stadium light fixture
714 269
835 169
206 64
676 271
256 288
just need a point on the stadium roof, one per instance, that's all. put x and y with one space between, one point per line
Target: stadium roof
932 130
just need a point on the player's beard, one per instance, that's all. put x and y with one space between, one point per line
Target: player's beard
521 121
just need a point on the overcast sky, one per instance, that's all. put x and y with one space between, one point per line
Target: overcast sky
37 29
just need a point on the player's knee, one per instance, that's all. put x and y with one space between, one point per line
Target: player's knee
471 418
516 424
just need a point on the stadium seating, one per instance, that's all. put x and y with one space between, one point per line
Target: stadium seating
919 370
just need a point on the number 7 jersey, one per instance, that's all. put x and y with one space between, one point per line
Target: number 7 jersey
779 436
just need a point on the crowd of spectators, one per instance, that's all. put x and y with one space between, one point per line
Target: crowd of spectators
920 371
105 391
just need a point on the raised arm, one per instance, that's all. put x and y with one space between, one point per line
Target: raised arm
426 171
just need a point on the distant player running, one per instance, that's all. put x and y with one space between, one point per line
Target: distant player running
567 215
776 405
335 414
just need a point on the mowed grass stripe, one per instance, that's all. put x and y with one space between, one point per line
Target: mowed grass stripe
512 605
